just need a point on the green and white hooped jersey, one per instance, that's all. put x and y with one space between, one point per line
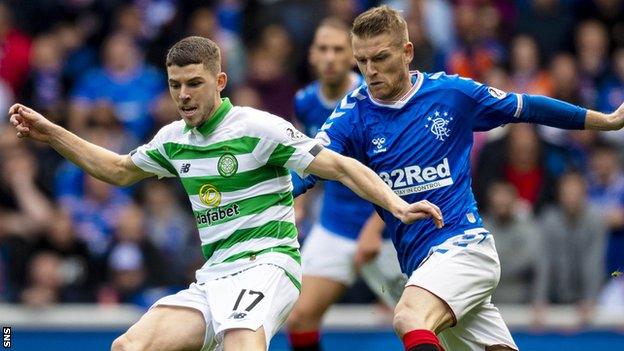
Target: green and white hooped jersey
234 169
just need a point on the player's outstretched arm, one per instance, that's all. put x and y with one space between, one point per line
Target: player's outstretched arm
595 120
97 161
364 182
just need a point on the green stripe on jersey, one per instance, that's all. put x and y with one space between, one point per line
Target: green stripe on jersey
238 181
280 155
272 229
284 249
155 155
238 146
294 280
245 207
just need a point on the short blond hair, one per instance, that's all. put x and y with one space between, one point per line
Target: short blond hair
380 20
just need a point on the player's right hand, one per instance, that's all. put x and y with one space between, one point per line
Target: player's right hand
29 123
421 210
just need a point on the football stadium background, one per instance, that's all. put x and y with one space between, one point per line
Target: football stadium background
81 260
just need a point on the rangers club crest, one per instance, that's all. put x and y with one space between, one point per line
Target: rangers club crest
438 125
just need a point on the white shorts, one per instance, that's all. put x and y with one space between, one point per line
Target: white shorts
464 271
261 296
330 256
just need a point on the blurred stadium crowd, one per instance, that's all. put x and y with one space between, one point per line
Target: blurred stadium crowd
554 199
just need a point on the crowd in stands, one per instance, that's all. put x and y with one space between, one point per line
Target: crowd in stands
553 199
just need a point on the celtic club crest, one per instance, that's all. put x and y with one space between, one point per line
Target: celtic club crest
227 165
438 125
209 195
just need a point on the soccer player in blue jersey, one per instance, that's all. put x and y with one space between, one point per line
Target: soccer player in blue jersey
415 131
330 250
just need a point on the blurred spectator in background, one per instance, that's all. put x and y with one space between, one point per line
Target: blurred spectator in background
522 159
344 10
14 52
593 57
269 72
570 264
128 19
125 83
45 84
80 55
526 73
247 96
133 262
606 191
96 213
44 280
565 79
478 49
517 242
70 263
611 92
31 210
609 12
204 22
171 230
549 22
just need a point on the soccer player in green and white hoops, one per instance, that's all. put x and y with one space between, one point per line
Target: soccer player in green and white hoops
233 163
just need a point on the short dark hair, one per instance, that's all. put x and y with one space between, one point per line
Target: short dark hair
193 50
380 20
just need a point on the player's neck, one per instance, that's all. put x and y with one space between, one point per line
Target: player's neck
211 114
334 92
404 87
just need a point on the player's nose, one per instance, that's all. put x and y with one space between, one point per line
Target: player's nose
370 69
184 94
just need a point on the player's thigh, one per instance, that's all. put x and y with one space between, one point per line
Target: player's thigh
317 295
244 340
383 275
258 298
481 329
169 328
420 309
462 272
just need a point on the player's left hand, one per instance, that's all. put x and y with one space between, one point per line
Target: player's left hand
420 210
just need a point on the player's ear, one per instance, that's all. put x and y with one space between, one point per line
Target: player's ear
408 52
221 81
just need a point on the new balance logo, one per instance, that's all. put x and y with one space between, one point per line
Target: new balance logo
238 315
185 168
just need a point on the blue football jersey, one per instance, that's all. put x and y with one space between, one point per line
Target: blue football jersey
342 211
420 146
